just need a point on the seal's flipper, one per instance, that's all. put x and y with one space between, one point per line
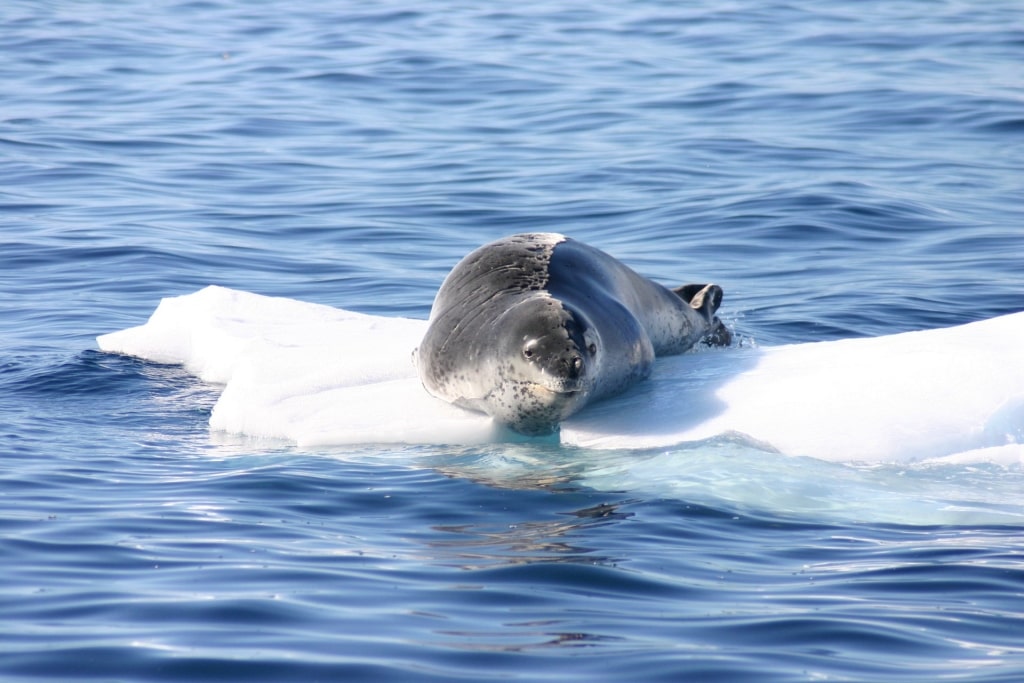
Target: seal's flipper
705 299
718 335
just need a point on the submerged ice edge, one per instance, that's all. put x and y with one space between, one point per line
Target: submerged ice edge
725 473
321 376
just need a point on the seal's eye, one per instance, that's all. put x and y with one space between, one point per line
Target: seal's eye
528 350
592 348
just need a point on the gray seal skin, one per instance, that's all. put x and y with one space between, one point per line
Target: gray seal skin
532 327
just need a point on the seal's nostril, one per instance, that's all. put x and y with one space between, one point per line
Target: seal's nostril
574 366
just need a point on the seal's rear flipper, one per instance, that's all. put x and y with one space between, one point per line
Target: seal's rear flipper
718 335
705 299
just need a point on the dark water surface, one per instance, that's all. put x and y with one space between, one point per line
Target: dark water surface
844 169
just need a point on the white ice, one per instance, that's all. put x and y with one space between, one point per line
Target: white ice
320 376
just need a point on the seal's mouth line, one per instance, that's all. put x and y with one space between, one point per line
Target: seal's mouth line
560 392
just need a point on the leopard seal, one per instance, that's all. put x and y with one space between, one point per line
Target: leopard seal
532 327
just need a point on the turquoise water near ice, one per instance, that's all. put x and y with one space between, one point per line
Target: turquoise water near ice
841 170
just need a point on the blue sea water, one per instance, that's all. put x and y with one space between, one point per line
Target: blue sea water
841 169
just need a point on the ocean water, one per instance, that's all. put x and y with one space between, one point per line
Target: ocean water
842 170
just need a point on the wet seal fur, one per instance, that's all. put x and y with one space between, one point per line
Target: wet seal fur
532 327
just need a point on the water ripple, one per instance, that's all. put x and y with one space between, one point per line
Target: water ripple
839 172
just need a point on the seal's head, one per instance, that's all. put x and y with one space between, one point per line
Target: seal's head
550 360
